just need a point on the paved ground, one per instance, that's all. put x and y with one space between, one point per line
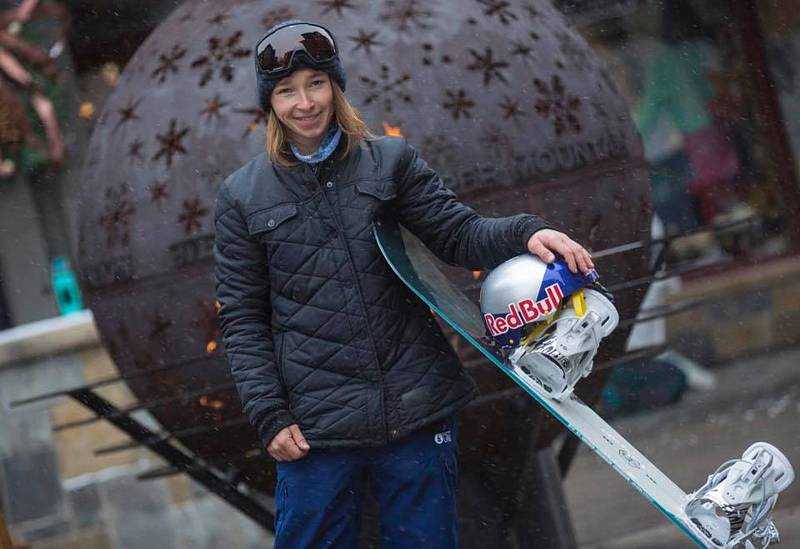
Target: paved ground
756 399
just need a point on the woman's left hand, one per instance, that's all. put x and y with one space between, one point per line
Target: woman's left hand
546 242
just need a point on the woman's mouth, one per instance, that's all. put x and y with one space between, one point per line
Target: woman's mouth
307 120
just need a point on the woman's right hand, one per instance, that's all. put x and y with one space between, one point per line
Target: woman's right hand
289 444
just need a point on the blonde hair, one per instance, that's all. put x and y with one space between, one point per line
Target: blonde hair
354 130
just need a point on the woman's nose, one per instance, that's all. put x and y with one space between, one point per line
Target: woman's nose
304 101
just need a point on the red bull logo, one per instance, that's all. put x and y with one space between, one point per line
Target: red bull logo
524 312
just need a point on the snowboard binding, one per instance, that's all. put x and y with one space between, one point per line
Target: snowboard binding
732 509
564 353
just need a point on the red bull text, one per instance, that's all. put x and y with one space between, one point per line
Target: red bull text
524 312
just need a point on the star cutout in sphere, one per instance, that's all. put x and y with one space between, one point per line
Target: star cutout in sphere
171 143
158 192
489 67
127 113
213 107
511 109
338 5
365 40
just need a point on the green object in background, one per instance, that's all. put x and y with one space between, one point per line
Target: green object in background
65 286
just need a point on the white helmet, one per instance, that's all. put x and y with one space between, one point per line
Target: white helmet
548 321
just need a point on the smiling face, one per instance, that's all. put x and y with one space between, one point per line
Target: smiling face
303 102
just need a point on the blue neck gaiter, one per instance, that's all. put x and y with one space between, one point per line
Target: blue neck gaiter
326 148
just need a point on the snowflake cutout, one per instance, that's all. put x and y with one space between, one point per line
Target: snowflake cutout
404 13
168 63
386 88
439 150
192 215
277 15
533 11
135 150
500 8
511 109
497 141
115 219
127 113
556 103
171 143
222 54
158 192
219 19
487 64
338 5
258 117
365 41
458 103
520 49
213 108
572 50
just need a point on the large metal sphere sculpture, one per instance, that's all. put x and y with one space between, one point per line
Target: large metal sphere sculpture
503 98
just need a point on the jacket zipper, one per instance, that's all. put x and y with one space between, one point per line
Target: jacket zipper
352 264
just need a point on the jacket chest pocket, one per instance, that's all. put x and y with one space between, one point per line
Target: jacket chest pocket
374 196
273 224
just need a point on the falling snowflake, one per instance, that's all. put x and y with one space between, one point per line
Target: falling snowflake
404 13
387 88
511 109
490 67
171 143
192 215
500 8
365 40
168 63
116 217
222 55
277 15
458 103
338 5
556 103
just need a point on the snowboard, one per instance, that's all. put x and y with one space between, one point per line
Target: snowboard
418 268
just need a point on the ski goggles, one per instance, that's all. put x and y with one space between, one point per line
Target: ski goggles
276 52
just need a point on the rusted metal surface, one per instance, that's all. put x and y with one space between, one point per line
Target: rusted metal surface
502 98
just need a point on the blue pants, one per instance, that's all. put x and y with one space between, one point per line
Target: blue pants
319 497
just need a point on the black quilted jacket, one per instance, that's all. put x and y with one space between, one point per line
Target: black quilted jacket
317 329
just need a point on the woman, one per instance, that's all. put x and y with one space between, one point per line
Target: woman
342 370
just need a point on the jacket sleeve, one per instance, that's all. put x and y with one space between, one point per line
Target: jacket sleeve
242 286
452 230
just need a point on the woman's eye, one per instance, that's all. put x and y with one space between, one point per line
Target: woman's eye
317 82
284 91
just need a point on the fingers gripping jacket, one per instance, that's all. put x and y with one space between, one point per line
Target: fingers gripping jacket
732 509
564 354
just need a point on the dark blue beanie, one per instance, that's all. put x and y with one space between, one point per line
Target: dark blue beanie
265 84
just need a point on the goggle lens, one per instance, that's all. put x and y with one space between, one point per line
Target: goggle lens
276 51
